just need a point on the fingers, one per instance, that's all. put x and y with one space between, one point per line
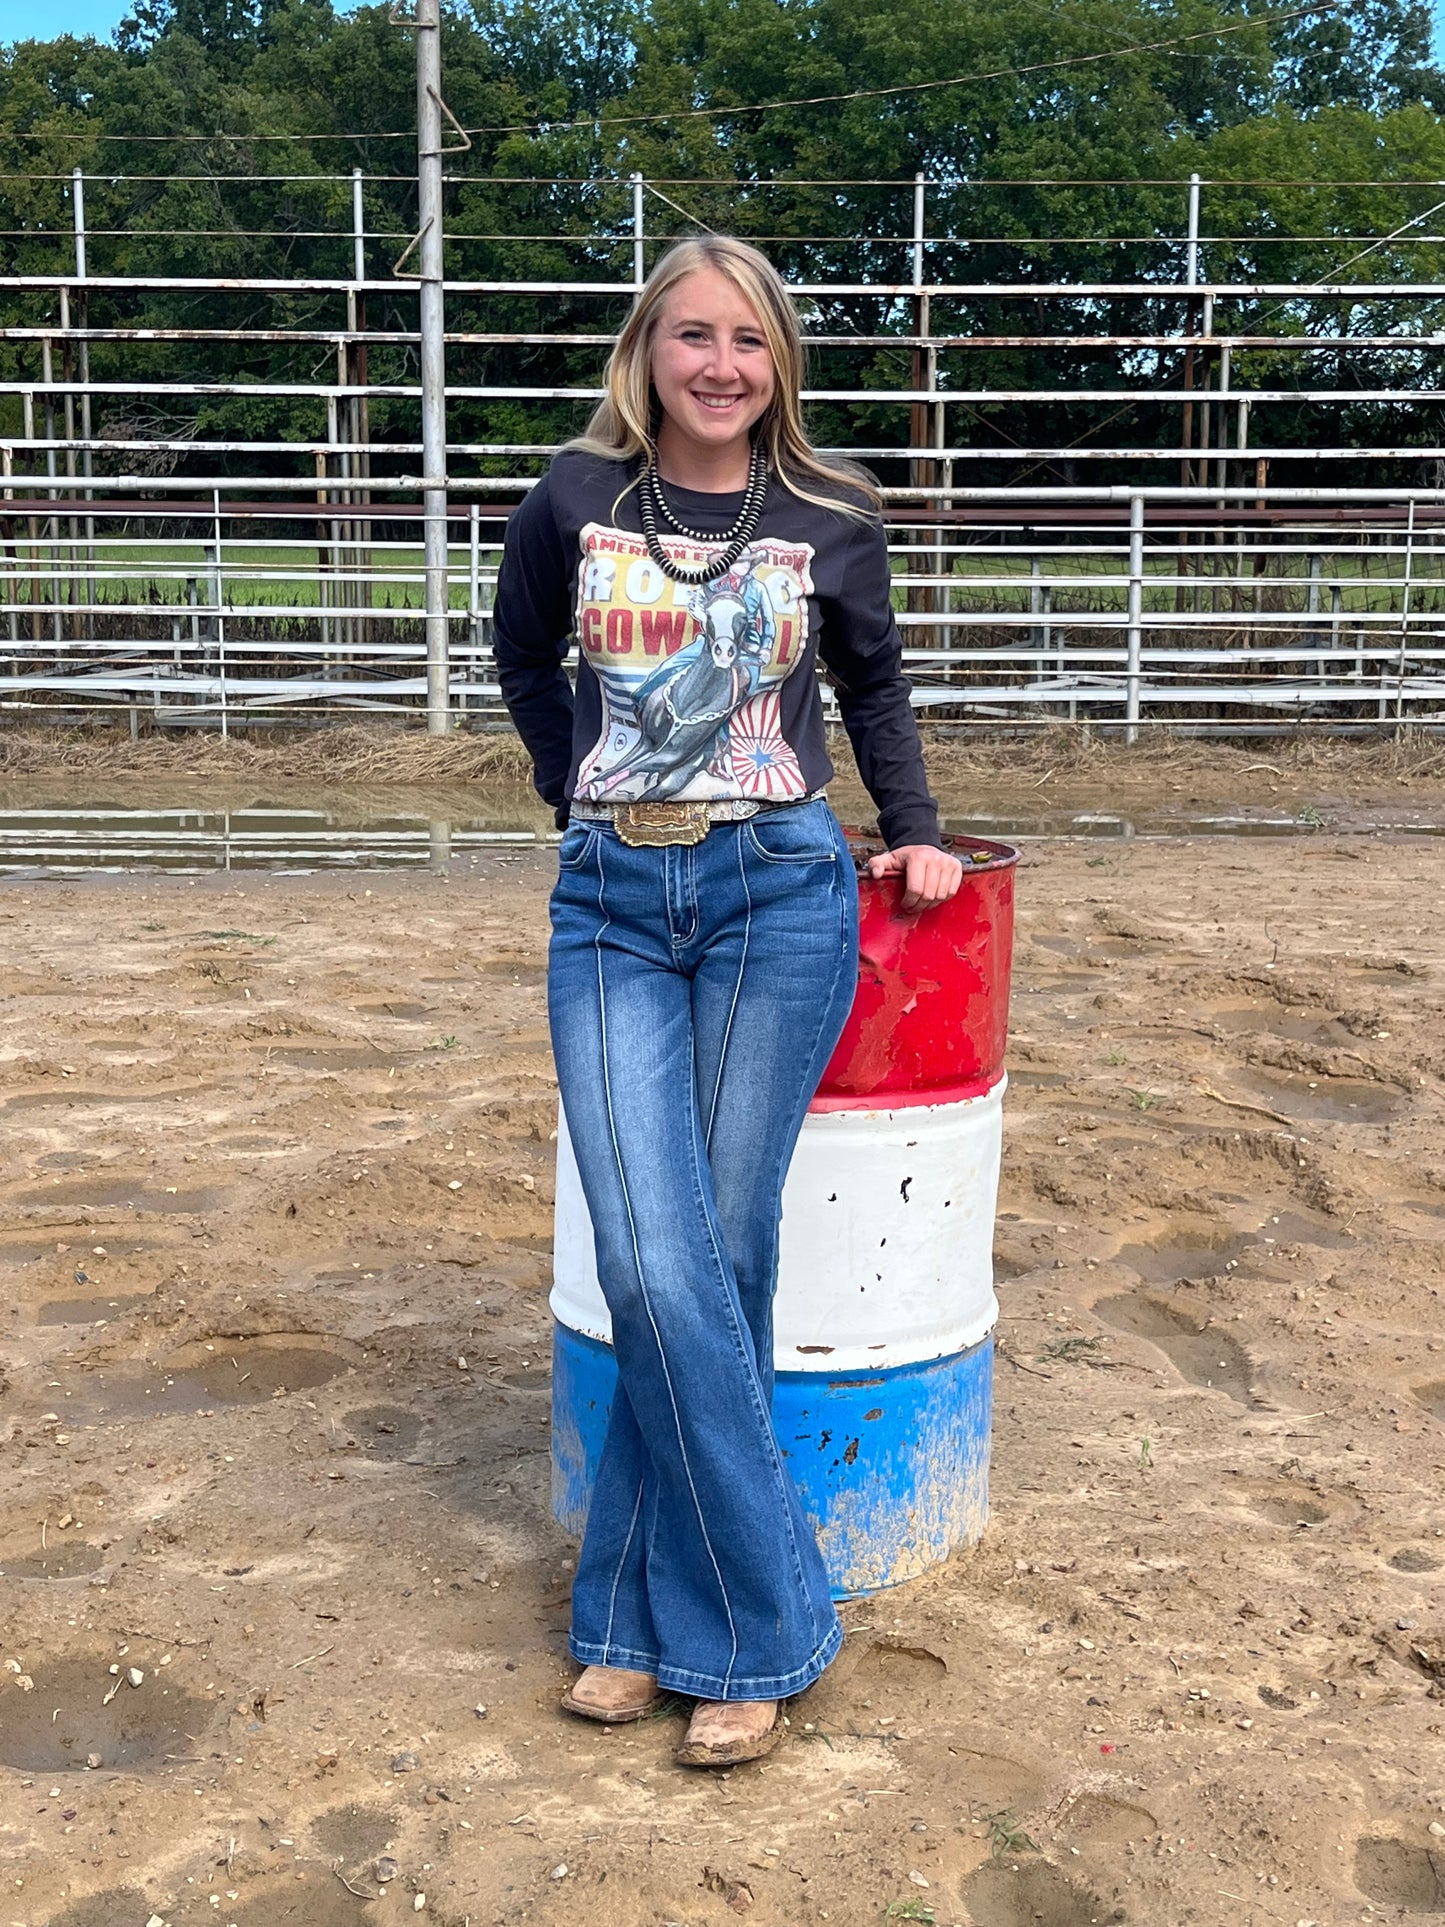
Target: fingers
930 876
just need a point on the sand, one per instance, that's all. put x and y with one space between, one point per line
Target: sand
275 1242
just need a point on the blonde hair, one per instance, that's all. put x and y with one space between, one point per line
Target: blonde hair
622 426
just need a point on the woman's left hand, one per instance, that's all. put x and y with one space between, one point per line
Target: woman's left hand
930 875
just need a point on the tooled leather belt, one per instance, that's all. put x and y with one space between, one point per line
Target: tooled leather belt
649 825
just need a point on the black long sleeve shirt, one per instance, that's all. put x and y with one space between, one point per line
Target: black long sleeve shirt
690 692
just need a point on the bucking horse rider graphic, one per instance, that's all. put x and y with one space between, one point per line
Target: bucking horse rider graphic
684 706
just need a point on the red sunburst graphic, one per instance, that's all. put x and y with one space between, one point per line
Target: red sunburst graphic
762 762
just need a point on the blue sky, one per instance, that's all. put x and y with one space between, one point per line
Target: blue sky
25 20
20 19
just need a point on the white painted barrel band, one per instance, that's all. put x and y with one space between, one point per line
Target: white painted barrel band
887 1238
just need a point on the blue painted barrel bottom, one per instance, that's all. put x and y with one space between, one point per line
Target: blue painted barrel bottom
892 1465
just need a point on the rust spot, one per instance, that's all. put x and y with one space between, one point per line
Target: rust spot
850 1452
815 1348
903 1189
877 1412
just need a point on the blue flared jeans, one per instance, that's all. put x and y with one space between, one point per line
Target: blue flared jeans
696 994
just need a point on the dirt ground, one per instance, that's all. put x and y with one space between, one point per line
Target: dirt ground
274 1343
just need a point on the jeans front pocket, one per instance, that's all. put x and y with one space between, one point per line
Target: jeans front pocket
576 845
802 834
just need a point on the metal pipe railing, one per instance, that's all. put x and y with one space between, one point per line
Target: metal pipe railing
1127 599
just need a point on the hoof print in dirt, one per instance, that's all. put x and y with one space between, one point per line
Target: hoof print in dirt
1099 1821
1287 1509
1413 1559
212 1372
56 1560
1184 1253
1395 1874
353 1835
108 1909
76 1711
1034 1894
384 1431
1201 1354
98 1309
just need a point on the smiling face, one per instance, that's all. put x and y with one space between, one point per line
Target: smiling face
711 369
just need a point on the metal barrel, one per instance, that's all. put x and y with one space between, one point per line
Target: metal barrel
883 1323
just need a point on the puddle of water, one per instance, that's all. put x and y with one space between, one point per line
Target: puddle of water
78 1244
403 1012
64 1098
1037 1080
1432 1397
1395 1874
1110 826
1086 949
62 1560
56 1726
1199 1254
311 834
87 1311
1334 1100
134 1194
1294 1228
239 1371
1428 1206
1300 1027
1206 1357
179 829
25 1251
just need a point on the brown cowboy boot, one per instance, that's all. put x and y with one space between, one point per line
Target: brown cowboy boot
726 1732
611 1694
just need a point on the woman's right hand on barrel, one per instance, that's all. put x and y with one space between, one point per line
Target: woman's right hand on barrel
930 875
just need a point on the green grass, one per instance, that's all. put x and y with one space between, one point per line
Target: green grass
287 575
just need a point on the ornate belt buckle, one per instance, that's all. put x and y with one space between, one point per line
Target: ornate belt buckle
655 825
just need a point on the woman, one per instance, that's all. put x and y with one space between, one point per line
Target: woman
704 947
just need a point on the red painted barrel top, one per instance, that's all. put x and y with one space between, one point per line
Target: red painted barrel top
930 1019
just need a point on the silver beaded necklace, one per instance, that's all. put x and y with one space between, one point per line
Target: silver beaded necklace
652 503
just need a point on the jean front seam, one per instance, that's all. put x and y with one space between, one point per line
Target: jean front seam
622 1562
781 1479
737 994
646 1298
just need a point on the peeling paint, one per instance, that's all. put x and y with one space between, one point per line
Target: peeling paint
930 1017
902 1495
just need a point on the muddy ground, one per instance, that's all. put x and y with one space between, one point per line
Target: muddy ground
274 1235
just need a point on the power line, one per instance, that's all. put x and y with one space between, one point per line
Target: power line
599 121
916 86
730 183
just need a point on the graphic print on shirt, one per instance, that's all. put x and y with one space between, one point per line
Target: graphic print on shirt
690 673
